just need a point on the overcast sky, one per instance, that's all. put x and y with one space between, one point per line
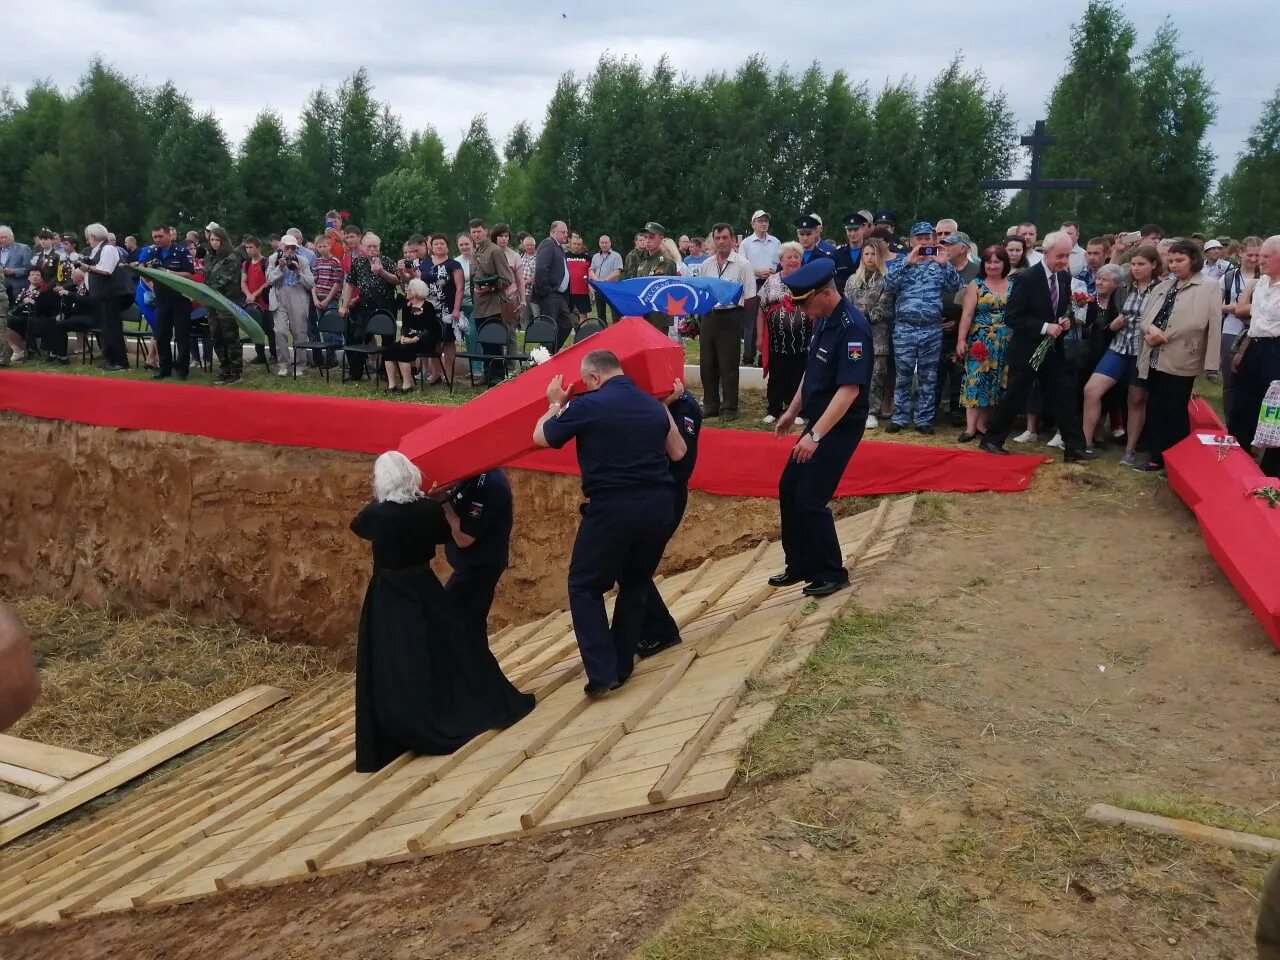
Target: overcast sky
421 60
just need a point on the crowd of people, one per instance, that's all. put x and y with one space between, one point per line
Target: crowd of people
1134 317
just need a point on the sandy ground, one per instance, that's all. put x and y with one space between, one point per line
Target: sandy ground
140 521
1019 658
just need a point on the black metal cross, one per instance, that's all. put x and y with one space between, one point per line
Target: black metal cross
1034 184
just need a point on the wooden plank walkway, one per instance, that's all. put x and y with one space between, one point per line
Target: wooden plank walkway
282 802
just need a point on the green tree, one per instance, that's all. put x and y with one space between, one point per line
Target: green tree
102 150
1176 105
473 176
369 140
1249 196
960 109
29 136
402 203
268 173
193 179
318 155
512 196
896 152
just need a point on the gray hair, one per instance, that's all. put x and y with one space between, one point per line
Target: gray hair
396 479
793 246
95 233
557 223
371 236
601 361
1272 242
1112 272
417 287
295 232
1058 237
6 231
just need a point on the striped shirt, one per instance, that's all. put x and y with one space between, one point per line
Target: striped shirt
1125 342
328 274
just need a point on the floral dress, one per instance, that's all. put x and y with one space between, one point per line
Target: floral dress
986 375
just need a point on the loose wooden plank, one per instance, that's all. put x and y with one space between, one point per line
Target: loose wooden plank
30 779
142 757
11 806
47 759
687 757
1186 829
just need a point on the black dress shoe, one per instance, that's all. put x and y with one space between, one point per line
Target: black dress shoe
990 446
893 427
927 429
113 367
597 690
784 579
966 437
1079 456
824 588
160 376
646 650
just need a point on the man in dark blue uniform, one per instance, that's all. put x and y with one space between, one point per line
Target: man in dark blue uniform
888 220
833 399
849 253
480 515
173 310
810 239
626 440
660 629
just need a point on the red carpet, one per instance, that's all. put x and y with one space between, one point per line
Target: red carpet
1241 531
730 462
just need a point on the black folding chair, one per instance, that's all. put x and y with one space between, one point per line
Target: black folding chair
492 334
381 324
541 333
330 322
586 329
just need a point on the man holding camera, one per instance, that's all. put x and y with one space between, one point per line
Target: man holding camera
290 275
173 310
924 280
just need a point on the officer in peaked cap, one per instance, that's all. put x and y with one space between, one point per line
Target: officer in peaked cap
847 255
833 401
652 262
807 226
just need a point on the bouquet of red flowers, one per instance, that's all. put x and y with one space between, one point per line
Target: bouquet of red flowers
689 327
1081 299
979 352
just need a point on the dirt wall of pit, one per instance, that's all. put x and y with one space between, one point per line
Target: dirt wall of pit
140 521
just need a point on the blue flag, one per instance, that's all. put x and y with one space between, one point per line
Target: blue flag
674 296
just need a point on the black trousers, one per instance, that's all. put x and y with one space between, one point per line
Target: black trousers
809 540
173 328
494 371
1168 420
750 310
357 324
620 541
601 306
1261 365
111 328
472 589
950 375
659 626
718 354
1058 384
785 373
555 306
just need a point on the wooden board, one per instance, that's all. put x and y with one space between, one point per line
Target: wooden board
49 760
285 803
142 757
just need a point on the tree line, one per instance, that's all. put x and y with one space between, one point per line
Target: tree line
626 144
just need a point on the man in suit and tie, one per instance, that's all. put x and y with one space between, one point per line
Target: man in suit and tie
550 290
1039 307
15 261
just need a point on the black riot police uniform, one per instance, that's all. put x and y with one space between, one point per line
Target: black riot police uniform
484 508
840 353
660 629
621 433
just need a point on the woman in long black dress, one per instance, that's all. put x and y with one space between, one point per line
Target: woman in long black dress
426 681
419 337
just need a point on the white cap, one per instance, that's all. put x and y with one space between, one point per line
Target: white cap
211 225
1212 245
289 240
760 213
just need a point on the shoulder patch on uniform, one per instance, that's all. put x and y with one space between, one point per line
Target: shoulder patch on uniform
689 425
855 350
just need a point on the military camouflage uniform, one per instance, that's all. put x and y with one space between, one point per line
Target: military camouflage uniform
651 265
5 352
223 275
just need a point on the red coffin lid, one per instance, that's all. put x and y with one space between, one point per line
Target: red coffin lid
497 426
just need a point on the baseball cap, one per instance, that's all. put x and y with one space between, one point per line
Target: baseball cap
760 213
955 238
289 240
921 227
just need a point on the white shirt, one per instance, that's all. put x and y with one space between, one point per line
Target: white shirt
1232 326
1264 309
1216 269
1076 264
1035 258
761 252
737 269
109 258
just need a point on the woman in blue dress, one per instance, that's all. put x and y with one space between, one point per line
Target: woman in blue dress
982 339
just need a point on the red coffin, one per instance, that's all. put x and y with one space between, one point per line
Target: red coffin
497 427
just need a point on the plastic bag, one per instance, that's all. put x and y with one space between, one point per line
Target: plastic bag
1268 432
